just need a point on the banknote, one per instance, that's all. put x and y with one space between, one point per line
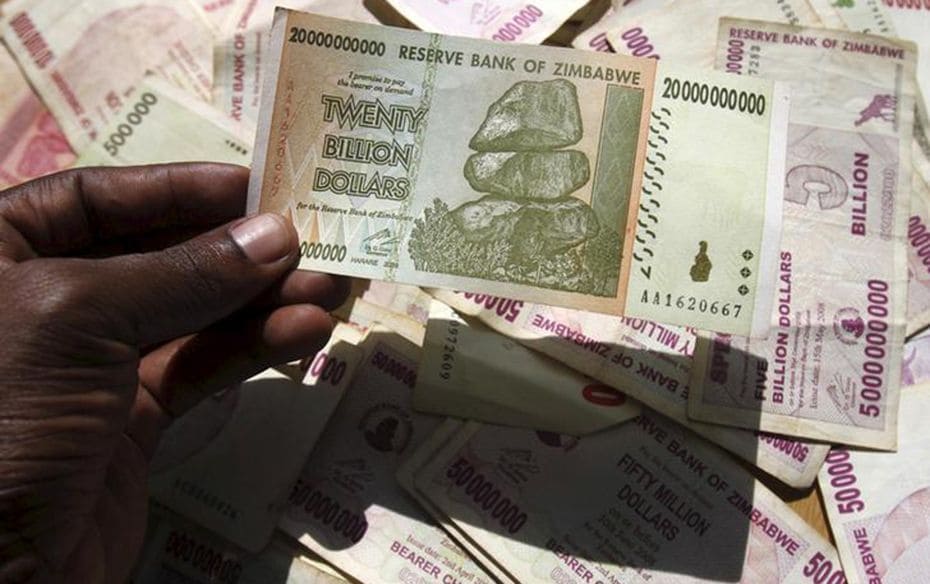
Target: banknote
372 194
498 20
393 305
887 18
685 31
651 362
869 16
366 315
470 371
594 37
177 551
406 473
911 20
878 504
229 462
240 53
915 366
346 505
31 141
831 369
84 57
410 301
645 501
161 123
218 12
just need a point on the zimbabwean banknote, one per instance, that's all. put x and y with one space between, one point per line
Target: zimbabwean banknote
84 57
869 16
906 19
177 551
31 141
831 369
240 52
586 180
646 501
684 31
499 20
878 503
161 123
470 371
911 21
651 362
229 462
594 37
346 505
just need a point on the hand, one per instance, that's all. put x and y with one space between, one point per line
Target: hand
127 295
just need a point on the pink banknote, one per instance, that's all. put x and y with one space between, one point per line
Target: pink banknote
31 142
831 368
878 503
84 58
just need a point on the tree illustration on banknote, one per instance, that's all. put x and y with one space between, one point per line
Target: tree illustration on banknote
526 228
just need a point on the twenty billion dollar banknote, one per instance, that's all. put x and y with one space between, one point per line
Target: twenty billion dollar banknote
598 182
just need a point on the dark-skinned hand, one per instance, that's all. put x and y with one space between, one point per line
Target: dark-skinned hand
126 296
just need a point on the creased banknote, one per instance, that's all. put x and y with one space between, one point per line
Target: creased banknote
470 371
31 141
869 16
595 37
587 180
85 57
649 361
646 501
906 19
878 503
366 315
177 551
498 20
241 51
911 20
406 476
218 12
831 369
685 31
161 123
346 505
229 462
410 301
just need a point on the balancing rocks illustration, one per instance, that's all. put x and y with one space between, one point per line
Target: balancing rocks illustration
526 226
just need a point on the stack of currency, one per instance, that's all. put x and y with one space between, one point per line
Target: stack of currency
621 302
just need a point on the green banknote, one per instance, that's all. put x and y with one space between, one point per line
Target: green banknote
597 182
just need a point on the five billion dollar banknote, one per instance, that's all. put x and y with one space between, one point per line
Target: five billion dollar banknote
592 181
831 369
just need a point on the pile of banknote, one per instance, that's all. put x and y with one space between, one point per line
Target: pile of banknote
640 287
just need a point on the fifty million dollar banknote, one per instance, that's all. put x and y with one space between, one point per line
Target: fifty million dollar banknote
597 182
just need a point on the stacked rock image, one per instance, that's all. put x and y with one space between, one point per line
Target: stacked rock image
526 228
519 161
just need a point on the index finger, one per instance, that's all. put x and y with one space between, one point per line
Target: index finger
72 211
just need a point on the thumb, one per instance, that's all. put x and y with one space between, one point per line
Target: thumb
158 296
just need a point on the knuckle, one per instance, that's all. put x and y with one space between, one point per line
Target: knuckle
198 265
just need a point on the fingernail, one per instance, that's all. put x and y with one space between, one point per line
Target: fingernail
263 239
